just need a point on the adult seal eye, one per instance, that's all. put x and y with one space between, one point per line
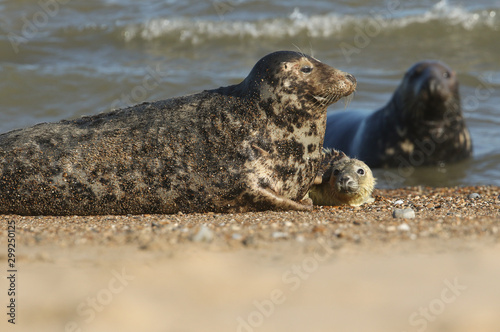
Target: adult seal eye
361 171
306 69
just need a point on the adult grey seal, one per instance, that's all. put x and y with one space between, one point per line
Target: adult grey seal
252 146
421 125
342 181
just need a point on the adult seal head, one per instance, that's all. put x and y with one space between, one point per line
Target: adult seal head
421 125
342 181
252 146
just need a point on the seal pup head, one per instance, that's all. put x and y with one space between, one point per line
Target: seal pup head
346 181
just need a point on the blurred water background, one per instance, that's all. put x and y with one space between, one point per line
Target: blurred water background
64 59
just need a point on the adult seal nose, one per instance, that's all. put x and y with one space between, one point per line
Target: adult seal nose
351 78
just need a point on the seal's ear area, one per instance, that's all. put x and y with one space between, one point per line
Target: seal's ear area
318 180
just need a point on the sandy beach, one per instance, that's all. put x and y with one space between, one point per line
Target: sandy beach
336 268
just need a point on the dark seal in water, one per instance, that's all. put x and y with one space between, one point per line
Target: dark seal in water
252 146
421 125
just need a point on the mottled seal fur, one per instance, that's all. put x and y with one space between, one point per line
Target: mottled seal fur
342 181
421 125
252 146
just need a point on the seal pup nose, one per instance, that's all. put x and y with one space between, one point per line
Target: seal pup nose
346 181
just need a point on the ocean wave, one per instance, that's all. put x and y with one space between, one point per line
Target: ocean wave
296 23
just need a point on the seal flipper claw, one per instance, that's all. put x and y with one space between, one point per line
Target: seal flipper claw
318 179
277 202
330 156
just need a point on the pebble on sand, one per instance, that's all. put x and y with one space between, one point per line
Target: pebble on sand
279 235
404 227
474 196
403 213
237 236
204 235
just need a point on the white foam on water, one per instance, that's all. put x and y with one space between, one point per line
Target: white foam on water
455 16
327 25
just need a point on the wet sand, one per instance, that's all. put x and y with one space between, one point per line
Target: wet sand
336 268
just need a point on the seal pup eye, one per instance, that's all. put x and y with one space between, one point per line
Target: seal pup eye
361 171
336 172
306 69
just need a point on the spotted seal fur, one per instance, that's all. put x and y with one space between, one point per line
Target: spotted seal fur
252 146
421 125
342 181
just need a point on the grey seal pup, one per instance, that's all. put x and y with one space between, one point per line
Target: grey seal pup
421 125
342 181
256 145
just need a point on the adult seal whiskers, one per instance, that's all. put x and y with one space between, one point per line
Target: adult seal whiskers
421 125
252 146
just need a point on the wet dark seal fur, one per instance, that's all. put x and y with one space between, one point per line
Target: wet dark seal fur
256 145
421 125
342 181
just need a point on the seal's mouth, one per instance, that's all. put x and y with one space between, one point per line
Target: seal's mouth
327 99
330 98
343 85
346 186
351 83
348 99
347 190
435 113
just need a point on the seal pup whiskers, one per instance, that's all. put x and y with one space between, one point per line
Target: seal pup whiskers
252 146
